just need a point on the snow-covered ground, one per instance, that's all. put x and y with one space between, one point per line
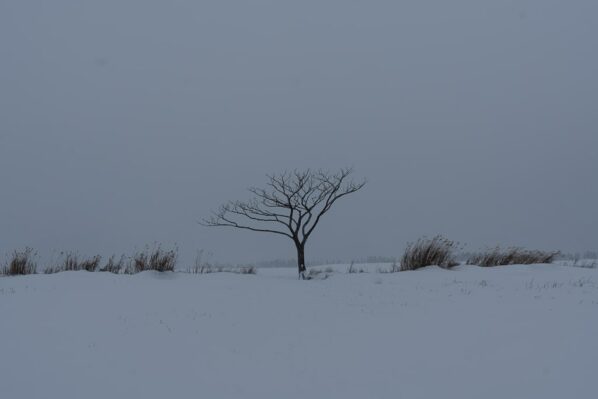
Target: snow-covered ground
503 332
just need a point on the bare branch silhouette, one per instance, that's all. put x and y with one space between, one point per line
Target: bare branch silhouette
291 204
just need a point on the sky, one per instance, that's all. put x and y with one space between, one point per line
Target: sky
123 123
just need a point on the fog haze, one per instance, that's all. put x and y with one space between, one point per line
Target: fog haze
123 123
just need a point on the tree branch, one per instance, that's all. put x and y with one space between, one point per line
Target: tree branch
296 200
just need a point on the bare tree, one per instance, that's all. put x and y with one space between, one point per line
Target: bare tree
292 205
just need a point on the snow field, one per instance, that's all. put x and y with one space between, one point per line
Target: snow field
503 332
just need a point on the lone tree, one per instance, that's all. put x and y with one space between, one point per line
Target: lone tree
292 205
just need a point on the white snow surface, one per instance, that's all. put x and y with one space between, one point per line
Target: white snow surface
502 332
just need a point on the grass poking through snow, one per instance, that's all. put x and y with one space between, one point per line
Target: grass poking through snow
511 256
20 263
424 252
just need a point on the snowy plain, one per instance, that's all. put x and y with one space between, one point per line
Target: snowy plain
502 332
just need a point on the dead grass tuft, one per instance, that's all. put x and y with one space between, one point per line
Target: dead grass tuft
424 252
21 263
511 256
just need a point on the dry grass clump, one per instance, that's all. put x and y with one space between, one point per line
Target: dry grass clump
425 251
90 264
511 256
73 263
155 259
208 268
202 266
21 263
115 266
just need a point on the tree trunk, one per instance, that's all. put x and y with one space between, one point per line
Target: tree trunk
301 260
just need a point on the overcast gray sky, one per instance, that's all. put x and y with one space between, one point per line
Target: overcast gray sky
123 122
